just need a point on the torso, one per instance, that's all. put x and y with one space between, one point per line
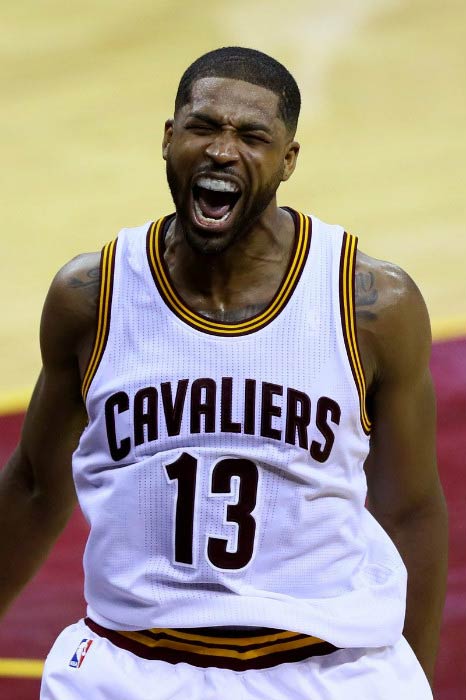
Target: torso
280 403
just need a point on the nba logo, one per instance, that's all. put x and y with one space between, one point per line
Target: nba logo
80 653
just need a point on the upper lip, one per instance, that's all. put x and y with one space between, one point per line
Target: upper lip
220 178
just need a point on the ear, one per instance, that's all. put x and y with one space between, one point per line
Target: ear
167 137
291 156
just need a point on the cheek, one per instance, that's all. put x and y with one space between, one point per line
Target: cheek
178 149
269 172
190 147
256 167
179 162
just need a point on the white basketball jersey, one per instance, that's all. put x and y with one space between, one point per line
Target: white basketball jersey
221 471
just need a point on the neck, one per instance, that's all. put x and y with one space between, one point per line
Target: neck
242 278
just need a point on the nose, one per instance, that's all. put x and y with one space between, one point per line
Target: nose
223 149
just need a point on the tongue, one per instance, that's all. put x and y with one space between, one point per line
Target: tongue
214 205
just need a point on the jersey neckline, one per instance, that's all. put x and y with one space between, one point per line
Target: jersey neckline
159 270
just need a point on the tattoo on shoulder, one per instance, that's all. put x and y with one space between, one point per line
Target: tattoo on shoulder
89 282
91 278
366 294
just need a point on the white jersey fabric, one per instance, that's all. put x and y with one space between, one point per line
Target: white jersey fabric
221 471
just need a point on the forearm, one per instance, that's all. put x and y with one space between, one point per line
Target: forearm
422 540
29 525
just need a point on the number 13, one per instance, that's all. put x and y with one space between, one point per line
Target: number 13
184 471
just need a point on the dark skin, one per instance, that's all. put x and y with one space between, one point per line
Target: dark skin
229 274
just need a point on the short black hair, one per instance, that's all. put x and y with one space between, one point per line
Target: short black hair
251 66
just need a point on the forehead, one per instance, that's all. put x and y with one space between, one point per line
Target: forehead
237 100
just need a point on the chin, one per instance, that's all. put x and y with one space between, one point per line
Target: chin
208 243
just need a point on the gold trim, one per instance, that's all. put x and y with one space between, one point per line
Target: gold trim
108 254
215 651
350 326
238 641
192 318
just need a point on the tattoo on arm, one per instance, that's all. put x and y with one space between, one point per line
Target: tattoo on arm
366 294
89 282
92 278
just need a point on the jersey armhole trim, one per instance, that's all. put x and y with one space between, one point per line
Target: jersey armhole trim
348 321
104 307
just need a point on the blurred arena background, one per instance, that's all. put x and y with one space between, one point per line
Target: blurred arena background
86 89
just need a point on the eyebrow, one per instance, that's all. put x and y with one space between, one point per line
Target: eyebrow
246 126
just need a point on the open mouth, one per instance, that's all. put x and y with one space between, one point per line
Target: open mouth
214 200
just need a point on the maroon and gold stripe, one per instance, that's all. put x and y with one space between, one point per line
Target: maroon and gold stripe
236 650
348 320
155 246
104 306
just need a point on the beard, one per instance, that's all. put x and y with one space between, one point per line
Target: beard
208 242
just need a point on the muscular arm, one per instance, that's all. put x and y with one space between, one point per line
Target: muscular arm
36 488
404 491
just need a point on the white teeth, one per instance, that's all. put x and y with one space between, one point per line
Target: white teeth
201 216
210 183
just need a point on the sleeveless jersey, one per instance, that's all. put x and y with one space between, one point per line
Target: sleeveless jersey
221 470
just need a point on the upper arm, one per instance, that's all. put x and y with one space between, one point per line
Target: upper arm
401 467
56 415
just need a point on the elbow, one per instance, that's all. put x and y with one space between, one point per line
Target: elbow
430 511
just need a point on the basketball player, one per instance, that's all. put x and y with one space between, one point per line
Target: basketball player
248 371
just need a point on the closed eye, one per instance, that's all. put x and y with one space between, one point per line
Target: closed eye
200 128
255 138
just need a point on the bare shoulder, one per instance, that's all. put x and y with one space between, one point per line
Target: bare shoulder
386 293
392 319
70 308
79 279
